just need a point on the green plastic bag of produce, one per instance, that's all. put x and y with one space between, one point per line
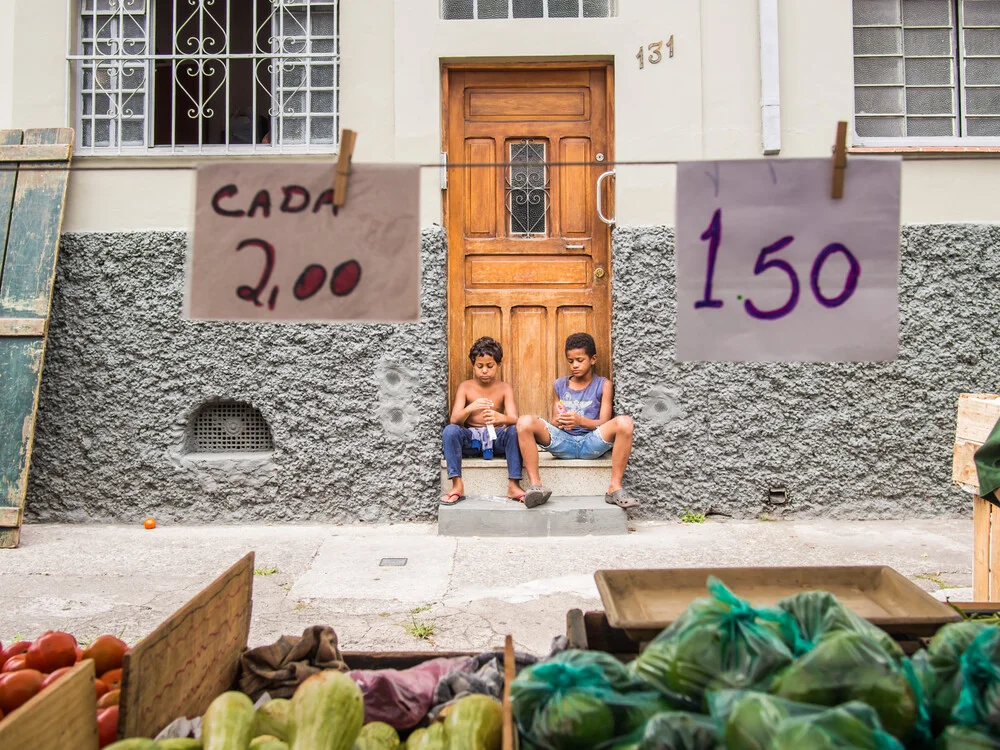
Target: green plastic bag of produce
940 668
580 699
846 666
964 738
758 721
819 613
978 705
719 642
673 730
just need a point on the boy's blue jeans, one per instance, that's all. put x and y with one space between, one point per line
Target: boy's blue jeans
458 443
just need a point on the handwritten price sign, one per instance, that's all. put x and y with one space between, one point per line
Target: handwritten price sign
771 268
269 245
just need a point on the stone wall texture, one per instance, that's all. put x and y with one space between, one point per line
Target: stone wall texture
356 410
864 440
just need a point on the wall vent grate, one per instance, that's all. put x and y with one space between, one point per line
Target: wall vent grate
230 427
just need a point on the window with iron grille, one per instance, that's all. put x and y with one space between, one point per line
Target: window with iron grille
926 71
206 76
229 427
484 9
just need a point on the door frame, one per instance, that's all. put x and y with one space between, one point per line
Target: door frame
513 65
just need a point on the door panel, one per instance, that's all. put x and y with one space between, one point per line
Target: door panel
524 241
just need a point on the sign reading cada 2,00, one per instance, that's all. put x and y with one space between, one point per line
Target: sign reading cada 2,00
270 246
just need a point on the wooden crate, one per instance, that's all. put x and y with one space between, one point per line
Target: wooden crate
977 415
61 717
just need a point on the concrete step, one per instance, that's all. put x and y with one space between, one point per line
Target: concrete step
565 477
560 516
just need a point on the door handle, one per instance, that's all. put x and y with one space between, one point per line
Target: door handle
600 201
576 247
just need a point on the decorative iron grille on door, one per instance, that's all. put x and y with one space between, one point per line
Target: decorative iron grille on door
207 76
527 189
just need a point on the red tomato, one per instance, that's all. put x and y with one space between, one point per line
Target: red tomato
54 676
13 649
19 688
51 651
14 663
79 654
107 653
100 688
107 726
112 678
110 699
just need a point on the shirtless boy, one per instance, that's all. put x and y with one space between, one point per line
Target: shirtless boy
480 402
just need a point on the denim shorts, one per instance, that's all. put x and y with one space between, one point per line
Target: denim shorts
563 445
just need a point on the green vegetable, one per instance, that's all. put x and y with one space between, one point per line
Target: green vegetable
377 736
272 718
718 638
475 722
673 730
847 666
573 719
415 738
853 725
964 738
818 614
228 723
432 738
753 721
267 742
941 672
132 743
179 743
326 713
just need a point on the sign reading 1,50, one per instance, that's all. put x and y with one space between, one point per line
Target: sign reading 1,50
655 52
713 235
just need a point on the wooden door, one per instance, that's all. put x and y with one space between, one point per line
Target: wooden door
528 257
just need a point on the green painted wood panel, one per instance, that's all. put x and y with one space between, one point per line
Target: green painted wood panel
7 182
28 273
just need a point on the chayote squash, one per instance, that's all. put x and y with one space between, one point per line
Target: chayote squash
228 723
272 718
432 738
267 742
132 743
475 722
179 743
377 735
326 713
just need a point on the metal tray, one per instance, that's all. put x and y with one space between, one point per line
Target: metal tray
643 602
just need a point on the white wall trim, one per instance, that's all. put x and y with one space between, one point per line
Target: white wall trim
770 77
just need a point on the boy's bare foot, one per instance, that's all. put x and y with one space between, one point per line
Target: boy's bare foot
514 491
457 493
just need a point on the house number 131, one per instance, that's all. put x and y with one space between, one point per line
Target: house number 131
655 50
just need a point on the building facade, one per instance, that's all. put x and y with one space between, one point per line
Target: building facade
142 411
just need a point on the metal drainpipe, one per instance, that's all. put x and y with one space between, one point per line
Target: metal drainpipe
770 77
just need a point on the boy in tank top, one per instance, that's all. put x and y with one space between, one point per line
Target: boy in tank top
581 426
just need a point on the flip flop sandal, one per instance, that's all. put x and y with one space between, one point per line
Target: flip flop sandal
517 498
459 498
536 495
621 499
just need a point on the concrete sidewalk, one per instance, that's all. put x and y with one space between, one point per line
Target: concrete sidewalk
461 593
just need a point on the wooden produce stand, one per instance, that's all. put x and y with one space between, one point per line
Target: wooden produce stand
977 415
61 717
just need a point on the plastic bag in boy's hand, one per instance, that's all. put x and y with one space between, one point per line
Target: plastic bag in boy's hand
673 730
719 642
847 666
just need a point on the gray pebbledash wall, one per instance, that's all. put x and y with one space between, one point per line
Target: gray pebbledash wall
356 411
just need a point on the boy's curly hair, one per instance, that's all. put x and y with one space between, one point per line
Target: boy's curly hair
484 347
581 341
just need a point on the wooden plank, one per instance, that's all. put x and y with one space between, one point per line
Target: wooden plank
509 738
994 556
602 637
8 181
23 326
60 152
981 512
576 629
179 668
977 416
61 717
28 274
10 517
963 465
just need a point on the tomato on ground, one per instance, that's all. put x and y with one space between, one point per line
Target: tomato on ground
19 687
149 523
51 651
107 653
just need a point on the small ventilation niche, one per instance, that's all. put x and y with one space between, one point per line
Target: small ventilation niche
228 427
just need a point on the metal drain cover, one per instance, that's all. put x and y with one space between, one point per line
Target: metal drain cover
392 562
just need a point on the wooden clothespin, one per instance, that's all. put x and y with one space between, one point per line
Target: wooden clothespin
347 138
839 161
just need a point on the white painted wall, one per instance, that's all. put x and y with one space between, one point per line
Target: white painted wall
702 104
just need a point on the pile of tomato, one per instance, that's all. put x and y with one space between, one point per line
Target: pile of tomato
28 667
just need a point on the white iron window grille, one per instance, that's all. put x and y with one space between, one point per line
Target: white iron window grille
229 427
527 189
207 76
484 9
927 71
